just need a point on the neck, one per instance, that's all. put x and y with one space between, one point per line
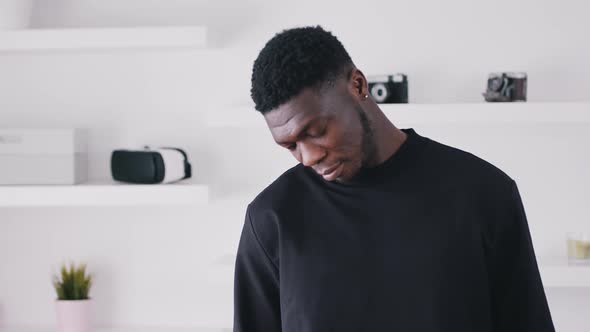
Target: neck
388 138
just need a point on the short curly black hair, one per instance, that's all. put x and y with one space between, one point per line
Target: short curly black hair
295 59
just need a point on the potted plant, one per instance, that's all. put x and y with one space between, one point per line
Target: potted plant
72 286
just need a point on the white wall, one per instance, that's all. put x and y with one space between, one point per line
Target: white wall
172 267
446 47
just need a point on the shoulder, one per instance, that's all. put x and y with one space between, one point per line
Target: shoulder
465 167
464 176
265 210
476 183
280 192
279 197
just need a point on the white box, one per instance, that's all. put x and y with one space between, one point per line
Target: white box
43 156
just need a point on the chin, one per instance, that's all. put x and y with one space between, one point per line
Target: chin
345 175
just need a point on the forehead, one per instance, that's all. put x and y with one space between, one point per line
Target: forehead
298 111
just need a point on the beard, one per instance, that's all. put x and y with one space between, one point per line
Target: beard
368 148
368 145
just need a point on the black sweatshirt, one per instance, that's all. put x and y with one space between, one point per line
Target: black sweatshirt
432 239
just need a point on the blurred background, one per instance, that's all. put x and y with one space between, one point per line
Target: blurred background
177 73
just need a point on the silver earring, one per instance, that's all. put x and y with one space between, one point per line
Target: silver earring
366 96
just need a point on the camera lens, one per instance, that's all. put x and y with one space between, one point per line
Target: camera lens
495 84
379 92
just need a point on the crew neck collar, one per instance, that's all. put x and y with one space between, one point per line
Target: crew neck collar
381 172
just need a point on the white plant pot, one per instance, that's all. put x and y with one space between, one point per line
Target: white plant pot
74 316
15 14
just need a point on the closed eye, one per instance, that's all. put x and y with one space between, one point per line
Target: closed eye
308 132
317 134
289 146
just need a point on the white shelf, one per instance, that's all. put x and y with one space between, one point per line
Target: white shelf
126 329
563 275
102 38
489 113
434 114
104 193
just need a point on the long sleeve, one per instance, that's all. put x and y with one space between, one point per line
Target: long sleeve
256 285
518 298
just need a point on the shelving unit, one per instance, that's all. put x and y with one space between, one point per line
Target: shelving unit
104 193
489 113
413 114
563 275
103 38
129 329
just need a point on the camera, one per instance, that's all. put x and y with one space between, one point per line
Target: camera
389 89
506 87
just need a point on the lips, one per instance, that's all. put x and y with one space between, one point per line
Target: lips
331 169
333 172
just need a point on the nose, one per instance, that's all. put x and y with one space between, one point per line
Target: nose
310 154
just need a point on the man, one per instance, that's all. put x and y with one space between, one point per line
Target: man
377 228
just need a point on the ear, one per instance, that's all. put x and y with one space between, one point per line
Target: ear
358 84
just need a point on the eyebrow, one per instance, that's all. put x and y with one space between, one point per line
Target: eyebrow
305 127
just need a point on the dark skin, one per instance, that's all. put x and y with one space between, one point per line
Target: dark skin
336 129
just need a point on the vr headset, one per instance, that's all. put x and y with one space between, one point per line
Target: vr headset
150 166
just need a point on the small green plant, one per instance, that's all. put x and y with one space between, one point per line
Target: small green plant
72 283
